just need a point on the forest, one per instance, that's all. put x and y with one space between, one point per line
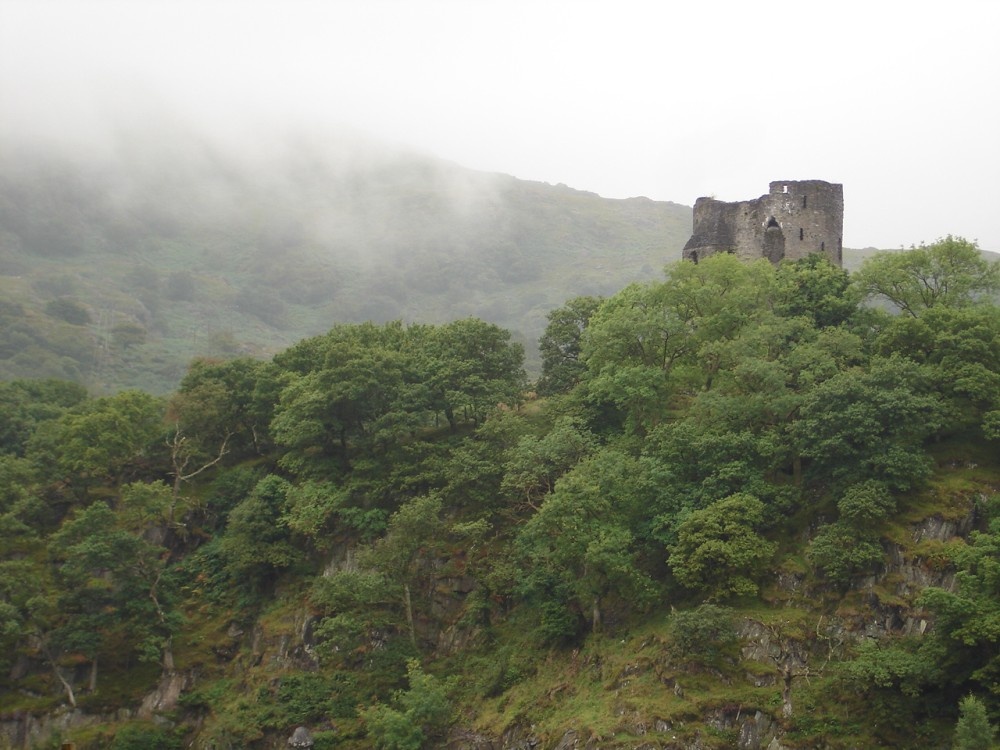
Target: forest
744 505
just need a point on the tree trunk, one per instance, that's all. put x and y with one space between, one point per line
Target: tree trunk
66 686
797 469
786 693
409 614
596 623
168 656
92 684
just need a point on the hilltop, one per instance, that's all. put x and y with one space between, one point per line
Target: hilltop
119 265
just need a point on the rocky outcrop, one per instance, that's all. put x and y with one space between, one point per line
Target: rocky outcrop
22 730
301 738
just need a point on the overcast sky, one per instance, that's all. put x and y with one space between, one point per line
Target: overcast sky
899 101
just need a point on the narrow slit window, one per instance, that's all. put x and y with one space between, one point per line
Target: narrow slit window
802 233
822 247
803 201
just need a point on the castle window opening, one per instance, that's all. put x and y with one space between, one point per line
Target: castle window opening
756 228
822 247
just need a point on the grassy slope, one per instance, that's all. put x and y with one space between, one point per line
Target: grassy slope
219 256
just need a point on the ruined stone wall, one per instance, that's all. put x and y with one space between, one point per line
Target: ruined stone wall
795 219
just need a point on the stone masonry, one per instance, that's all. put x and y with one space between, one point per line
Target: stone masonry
795 219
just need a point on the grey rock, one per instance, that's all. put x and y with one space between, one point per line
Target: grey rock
301 737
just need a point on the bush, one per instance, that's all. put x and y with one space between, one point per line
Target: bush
69 311
131 737
842 552
423 713
703 634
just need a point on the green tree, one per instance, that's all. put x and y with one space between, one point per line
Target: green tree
471 367
719 551
842 551
127 335
24 404
103 439
111 586
973 730
871 424
583 539
256 545
650 345
560 345
967 620
403 554
961 349
704 634
950 272
421 715
69 311
536 463
815 288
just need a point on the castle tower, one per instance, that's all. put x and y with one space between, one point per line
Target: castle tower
795 219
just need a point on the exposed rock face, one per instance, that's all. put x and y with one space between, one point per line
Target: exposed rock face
24 730
301 737
166 695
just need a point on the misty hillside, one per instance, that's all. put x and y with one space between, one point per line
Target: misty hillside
120 265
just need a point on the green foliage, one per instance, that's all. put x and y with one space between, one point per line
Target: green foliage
719 552
560 345
226 403
111 583
104 438
535 463
256 545
815 288
842 551
694 416
973 730
704 634
867 503
907 665
582 540
421 713
24 404
968 619
133 737
960 347
872 424
950 272
69 311
275 264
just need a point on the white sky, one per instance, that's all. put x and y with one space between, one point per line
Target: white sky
899 101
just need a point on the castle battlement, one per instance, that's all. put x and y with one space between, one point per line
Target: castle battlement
795 219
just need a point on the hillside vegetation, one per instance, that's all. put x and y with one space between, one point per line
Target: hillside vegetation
748 510
118 266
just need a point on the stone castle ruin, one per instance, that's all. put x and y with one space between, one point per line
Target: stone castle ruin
795 219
